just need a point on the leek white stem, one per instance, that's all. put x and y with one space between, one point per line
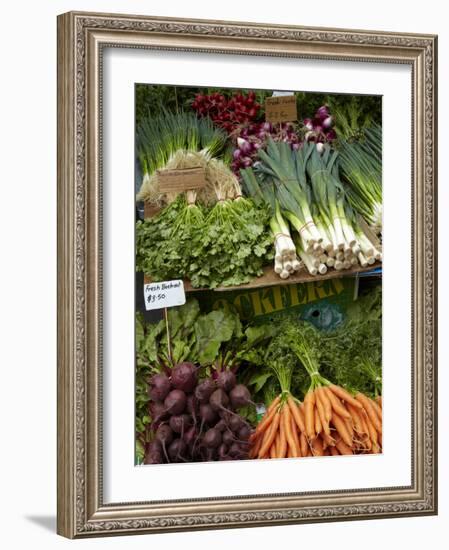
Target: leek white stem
362 259
311 268
296 264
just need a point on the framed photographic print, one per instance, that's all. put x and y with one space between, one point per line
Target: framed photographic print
246 274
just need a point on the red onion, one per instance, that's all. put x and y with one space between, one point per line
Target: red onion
243 145
327 122
322 112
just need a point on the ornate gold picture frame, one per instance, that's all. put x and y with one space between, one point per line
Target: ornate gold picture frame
82 38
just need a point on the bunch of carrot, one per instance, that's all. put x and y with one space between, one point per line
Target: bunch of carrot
338 423
281 433
330 421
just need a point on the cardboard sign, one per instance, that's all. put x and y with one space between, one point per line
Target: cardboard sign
177 181
280 109
164 294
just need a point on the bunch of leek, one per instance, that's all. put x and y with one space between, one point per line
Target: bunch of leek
262 191
307 192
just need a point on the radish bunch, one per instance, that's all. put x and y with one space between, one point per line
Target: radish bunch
227 113
197 421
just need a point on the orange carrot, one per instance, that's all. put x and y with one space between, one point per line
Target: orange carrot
269 415
287 421
342 429
295 435
344 395
333 451
290 453
255 448
322 415
282 449
343 448
357 421
377 409
304 444
329 440
378 400
370 411
372 431
273 450
326 452
349 426
269 435
337 405
317 447
326 403
318 426
276 443
309 420
294 410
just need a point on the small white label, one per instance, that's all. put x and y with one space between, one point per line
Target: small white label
164 294
280 94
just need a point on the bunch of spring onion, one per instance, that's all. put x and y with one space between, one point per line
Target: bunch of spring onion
175 141
361 166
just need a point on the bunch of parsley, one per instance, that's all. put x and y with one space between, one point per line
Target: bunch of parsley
226 246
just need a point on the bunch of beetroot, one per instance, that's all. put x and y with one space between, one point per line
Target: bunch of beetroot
197 421
227 113
320 127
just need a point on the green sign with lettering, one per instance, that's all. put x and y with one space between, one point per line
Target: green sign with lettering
322 302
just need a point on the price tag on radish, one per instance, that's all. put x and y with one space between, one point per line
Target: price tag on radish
164 294
280 109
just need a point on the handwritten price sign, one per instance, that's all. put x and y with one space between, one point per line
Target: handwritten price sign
280 109
164 294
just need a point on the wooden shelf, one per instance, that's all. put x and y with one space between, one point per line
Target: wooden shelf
270 278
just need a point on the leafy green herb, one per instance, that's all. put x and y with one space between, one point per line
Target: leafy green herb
228 247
